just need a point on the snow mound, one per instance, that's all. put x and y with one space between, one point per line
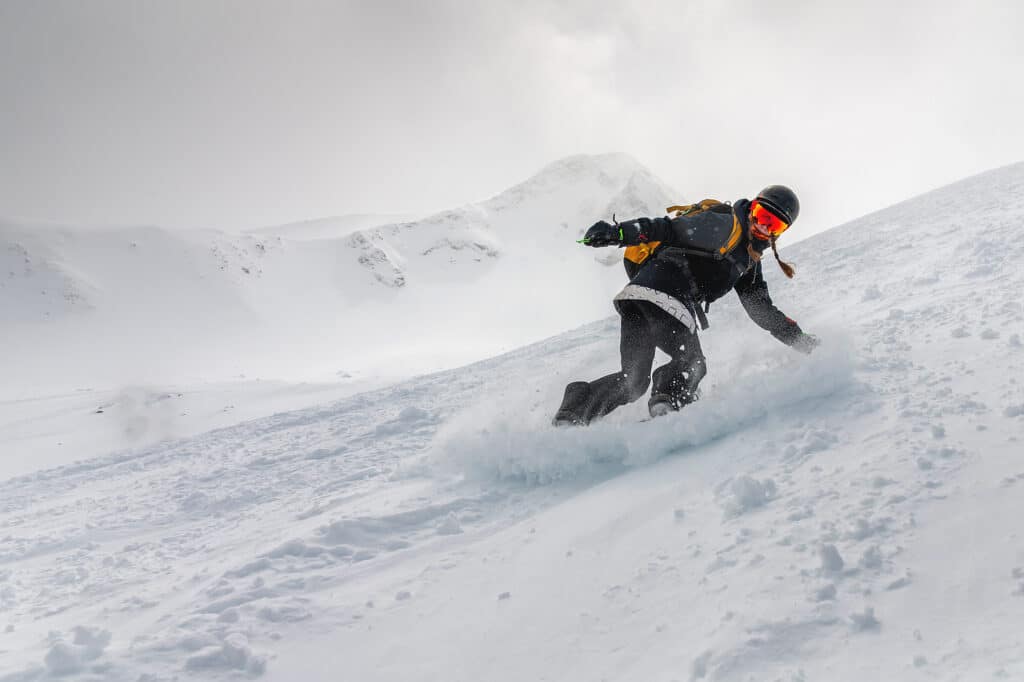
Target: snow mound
232 654
86 646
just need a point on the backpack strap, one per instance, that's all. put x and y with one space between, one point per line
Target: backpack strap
687 209
700 313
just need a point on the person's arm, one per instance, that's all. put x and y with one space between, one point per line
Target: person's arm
629 233
668 231
753 292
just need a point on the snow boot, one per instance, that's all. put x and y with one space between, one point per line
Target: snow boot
660 404
574 405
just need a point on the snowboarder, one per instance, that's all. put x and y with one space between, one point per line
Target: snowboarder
675 264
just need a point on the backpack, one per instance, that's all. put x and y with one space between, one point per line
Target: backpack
714 235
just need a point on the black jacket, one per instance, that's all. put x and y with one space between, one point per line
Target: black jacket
696 279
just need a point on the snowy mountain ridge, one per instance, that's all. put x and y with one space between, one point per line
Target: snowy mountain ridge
334 227
218 304
569 194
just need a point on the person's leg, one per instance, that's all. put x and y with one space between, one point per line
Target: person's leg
583 402
676 382
574 405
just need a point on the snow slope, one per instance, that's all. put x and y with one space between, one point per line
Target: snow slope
101 308
849 515
329 228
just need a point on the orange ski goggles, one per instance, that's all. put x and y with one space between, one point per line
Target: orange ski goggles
764 223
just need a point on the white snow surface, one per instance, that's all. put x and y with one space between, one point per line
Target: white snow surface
105 308
849 515
331 228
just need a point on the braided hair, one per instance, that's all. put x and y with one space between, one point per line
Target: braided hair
786 267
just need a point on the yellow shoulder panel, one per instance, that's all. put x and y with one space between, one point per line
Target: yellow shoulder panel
734 237
640 252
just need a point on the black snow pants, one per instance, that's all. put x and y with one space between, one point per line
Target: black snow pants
645 327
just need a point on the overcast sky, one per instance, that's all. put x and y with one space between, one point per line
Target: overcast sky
247 113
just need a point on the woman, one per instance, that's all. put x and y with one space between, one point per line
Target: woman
676 265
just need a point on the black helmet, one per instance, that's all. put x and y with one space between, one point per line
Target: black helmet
782 201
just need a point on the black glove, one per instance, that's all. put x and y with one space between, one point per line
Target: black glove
805 343
602 234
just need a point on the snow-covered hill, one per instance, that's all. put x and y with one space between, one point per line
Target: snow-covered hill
329 228
849 515
148 305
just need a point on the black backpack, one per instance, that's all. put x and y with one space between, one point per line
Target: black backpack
712 231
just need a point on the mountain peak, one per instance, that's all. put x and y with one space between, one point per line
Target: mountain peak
582 164
597 172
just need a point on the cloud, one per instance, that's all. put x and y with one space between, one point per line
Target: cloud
244 113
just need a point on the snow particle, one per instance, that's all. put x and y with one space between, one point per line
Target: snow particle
283 614
746 494
403 595
62 659
826 593
232 654
872 293
413 414
989 334
865 621
7 597
679 514
228 616
1014 410
872 558
960 333
898 584
504 595
831 561
920 661
450 525
863 529
66 658
699 667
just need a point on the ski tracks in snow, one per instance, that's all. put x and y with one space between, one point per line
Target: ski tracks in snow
187 554
199 556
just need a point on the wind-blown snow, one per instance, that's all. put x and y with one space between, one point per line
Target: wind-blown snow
518 444
848 515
